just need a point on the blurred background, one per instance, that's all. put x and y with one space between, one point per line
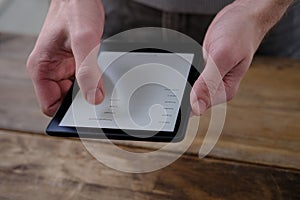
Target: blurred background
22 16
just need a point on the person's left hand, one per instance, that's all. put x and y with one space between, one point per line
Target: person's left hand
229 46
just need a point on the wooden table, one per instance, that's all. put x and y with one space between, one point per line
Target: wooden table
256 157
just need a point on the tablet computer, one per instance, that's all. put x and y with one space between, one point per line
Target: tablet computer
147 96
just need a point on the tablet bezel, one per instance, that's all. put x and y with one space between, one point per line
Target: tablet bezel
176 135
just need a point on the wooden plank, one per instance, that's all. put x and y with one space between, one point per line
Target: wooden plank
261 125
19 108
39 167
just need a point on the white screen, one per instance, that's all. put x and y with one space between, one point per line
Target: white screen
143 91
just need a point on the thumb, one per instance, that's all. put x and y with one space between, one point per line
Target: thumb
205 88
88 74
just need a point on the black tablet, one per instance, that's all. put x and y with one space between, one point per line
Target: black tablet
147 94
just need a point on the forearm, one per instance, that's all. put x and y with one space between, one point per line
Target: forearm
266 12
77 9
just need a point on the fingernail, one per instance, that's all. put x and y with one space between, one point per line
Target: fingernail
199 107
94 96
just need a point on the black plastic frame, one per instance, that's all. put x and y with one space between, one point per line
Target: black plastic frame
177 135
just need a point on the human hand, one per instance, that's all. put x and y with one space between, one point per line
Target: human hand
72 29
229 46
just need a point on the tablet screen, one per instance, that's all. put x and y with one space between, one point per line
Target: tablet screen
143 91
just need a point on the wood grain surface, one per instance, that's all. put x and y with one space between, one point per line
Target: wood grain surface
39 167
262 124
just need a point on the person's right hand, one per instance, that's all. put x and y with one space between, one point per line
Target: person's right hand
71 31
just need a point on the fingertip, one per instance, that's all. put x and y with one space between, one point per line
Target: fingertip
50 110
199 107
95 96
193 95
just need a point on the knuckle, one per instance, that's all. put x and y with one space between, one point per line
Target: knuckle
88 76
48 110
83 73
203 93
45 111
219 53
211 86
230 96
36 59
85 78
85 35
31 61
231 92
225 55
